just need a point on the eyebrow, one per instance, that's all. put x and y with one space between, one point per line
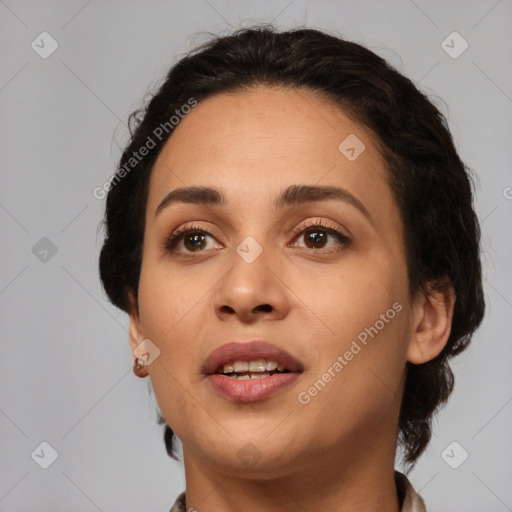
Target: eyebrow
291 196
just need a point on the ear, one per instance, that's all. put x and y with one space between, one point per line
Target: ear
135 331
432 321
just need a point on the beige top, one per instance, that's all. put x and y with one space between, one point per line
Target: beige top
409 499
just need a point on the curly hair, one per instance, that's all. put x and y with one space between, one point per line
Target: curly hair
431 185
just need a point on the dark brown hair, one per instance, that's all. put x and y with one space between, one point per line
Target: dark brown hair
432 186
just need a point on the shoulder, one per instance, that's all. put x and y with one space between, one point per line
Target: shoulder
411 500
179 504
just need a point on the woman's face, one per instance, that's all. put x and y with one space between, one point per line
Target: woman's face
332 301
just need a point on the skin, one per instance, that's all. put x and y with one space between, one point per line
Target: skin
337 452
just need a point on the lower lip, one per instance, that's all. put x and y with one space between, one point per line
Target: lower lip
253 390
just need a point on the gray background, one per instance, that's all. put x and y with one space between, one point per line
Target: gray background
65 374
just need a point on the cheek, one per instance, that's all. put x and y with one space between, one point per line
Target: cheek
365 392
176 314
351 297
166 301
365 307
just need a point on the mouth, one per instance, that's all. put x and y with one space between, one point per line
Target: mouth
244 372
254 369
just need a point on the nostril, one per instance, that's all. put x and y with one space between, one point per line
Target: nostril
265 307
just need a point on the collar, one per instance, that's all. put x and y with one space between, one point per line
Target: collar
409 499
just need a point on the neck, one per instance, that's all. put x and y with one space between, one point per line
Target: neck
362 483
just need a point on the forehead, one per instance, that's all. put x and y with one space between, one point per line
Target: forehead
252 142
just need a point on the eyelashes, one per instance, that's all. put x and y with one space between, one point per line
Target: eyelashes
318 229
172 240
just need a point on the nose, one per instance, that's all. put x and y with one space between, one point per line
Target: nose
251 292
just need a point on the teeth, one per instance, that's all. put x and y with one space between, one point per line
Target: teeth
240 366
270 366
259 375
228 369
258 367
248 376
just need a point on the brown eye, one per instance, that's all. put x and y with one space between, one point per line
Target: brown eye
315 239
318 237
194 242
188 239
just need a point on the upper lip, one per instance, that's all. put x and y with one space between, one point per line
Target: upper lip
249 351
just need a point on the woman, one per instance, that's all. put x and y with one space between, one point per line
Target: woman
292 234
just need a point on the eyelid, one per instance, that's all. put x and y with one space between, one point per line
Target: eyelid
318 222
177 235
334 230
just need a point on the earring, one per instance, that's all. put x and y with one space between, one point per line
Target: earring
139 363
138 368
